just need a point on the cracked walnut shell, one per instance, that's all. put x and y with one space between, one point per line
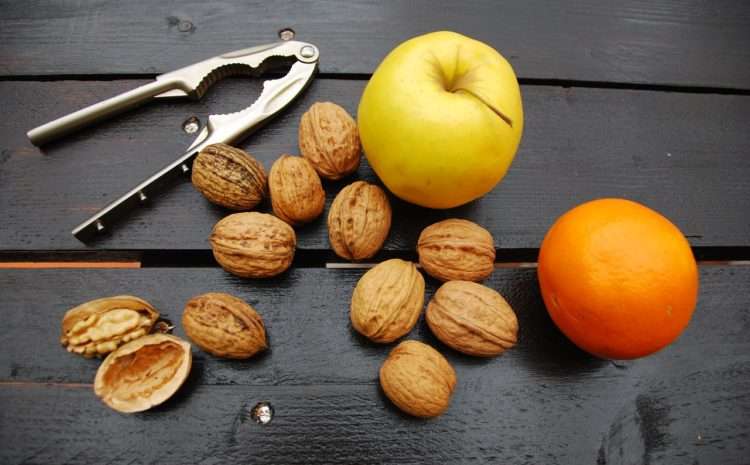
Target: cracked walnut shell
472 319
229 177
224 325
456 249
98 327
329 139
387 300
143 373
297 194
359 221
253 245
418 379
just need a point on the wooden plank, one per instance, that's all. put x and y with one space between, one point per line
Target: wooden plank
311 340
690 43
305 312
542 402
670 419
682 154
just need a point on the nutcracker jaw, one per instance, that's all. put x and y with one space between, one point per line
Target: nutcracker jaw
193 81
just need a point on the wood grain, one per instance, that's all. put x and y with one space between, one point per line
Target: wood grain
544 401
691 43
684 155
497 421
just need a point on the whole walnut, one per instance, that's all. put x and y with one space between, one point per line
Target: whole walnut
387 300
329 139
456 249
253 245
229 177
297 194
224 325
359 221
418 379
472 319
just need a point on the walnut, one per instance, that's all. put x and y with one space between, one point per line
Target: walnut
418 379
143 373
329 139
388 300
229 177
100 326
253 245
359 221
472 319
456 249
297 195
224 325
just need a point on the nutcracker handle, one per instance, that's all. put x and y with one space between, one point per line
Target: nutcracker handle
103 220
104 109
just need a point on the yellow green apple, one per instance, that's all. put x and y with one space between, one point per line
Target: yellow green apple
441 118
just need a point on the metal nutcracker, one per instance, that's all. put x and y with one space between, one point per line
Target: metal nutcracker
193 81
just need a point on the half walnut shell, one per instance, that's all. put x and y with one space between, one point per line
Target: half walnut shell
143 373
472 319
100 326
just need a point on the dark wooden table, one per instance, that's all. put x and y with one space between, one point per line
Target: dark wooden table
637 99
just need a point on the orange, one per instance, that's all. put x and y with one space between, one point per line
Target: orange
618 278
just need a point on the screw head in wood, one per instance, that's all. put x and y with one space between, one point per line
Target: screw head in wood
286 34
262 413
191 125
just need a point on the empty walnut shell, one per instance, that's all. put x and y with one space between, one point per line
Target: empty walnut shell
297 194
229 177
253 245
224 325
472 319
418 379
100 326
143 373
456 249
387 300
359 221
329 138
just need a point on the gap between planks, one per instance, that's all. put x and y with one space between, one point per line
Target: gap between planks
523 81
331 266
312 258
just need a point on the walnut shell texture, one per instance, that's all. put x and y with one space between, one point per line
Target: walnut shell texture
224 325
329 139
359 221
253 245
297 195
229 177
456 249
418 379
100 326
472 319
387 300
143 373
